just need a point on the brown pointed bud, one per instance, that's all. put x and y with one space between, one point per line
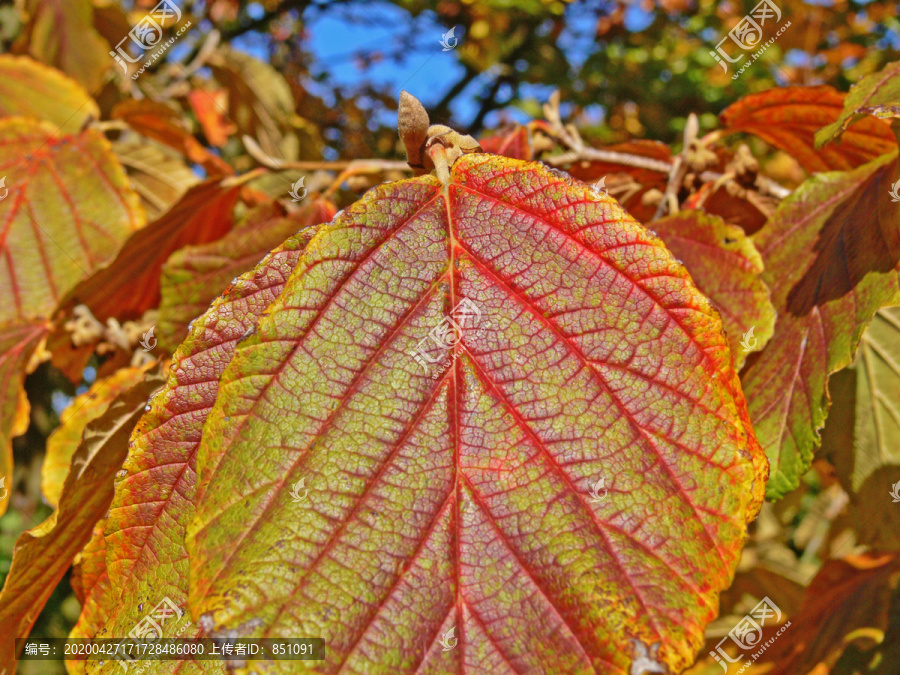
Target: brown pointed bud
412 122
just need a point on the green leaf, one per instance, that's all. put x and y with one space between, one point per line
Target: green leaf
68 210
345 493
862 435
865 97
831 254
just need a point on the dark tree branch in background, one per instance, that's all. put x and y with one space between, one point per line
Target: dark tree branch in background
489 101
441 111
265 19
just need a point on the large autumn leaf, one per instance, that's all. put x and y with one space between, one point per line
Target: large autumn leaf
345 493
43 554
789 118
831 254
67 210
144 535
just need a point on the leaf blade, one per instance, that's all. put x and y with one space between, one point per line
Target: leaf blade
344 307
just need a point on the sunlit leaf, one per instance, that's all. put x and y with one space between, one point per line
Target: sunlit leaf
68 210
789 118
17 343
345 493
871 92
43 554
726 266
165 125
31 89
65 439
129 285
261 104
849 600
512 142
158 174
90 582
831 256
144 537
61 33
862 434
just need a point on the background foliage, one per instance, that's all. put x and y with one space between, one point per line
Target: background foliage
203 147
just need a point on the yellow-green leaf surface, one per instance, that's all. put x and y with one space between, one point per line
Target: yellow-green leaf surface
726 266
90 582
43 554
568 493
31 89
862 434
68 210
61 33
146 560
865 98
832 256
